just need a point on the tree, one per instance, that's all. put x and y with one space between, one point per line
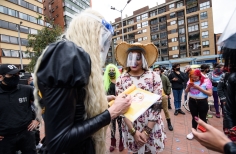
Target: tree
38 42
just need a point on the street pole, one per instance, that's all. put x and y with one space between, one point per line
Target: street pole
18 28
122 26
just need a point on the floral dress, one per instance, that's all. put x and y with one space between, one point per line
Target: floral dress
151 82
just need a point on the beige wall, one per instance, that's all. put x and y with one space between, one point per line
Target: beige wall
172 26
173 52
9 60
172 44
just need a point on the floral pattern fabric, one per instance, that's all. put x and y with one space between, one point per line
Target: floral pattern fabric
151 82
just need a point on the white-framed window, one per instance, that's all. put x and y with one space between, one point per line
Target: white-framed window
175 56
144 24
205 34
15 53
6 53
26 54
181 22
182 39
204 5
117 38
153 13
204 24
205 44
145 38
218 48
140 39
172 6
174 48
130 29
182 55
144 30
138 18
144 16
181 31
172 15
138 26
131 21
192 28
206 52
203 15
172 22
174 39
180 4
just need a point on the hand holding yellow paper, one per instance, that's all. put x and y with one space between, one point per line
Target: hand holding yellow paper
141 101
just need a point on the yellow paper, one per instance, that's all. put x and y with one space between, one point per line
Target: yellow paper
141 101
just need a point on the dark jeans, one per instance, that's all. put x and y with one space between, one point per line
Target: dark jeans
198 108
177 98
24 141
216 102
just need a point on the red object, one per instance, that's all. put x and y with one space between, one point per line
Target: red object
201 128
191 83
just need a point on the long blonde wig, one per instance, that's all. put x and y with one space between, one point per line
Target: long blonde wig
84 31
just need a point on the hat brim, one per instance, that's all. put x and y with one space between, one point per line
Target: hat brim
15 71
121 52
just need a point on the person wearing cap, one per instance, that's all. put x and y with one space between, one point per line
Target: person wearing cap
166 90
16 121
146 134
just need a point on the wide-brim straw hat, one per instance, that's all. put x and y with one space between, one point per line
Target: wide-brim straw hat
150 52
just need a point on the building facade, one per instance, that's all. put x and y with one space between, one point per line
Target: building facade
62 11
182 30
22 14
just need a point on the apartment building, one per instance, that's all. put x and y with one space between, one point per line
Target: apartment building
182 30
22 14
62 11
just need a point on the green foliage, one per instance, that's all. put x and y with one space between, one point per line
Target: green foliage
37 43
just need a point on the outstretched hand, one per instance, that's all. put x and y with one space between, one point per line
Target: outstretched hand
212 139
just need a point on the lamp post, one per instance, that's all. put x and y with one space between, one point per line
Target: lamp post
18 28
113 8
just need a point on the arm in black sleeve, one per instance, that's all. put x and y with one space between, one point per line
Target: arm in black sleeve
230 148
230 106
62 133
171 77
220 89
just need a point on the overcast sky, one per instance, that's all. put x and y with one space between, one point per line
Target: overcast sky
222 9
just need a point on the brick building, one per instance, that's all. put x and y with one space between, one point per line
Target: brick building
182 30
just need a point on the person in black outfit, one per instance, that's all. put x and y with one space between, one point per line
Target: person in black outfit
177 79
68 76
15 113
109 79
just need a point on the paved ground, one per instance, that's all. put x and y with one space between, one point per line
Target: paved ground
176 142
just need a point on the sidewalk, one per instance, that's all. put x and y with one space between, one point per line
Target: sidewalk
176 142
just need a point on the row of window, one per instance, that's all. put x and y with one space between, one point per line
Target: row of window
20 15
28 5
142 38
13 26
72 7
13 40
80 4
16 53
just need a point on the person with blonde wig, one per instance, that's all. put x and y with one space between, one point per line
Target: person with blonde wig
68 76
109 79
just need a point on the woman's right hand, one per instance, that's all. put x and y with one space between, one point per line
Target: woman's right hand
120 106
139 138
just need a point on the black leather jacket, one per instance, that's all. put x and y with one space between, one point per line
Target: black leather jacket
62 75
230 148
230 106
